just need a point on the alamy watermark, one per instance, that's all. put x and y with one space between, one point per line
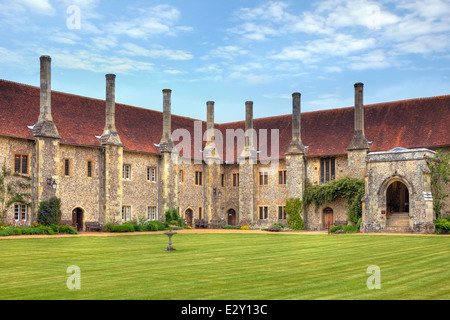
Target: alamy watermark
74 281
73 22
374 281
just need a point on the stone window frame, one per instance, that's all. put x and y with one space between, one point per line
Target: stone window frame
235 181
128 176
198 181
283 213
69 169
223 180
151 176
124 213
19 210
327 171
263 211
181 176
89 168
200 212
263 178
282 176
21 155
153 216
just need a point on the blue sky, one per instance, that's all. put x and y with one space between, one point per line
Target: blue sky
231 51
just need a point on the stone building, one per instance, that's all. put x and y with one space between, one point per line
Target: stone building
111 162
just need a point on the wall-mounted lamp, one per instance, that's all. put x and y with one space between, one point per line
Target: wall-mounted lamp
51 183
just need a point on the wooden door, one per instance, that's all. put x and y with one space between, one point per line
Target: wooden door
327 218
231 217
188 215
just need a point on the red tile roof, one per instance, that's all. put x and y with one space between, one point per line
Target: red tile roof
409 123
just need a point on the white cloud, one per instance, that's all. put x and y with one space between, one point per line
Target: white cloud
372 60
86 60
131 49
225 52
157 20
39 6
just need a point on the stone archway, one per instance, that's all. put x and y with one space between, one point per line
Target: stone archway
397 198
231 217
78 218
189 217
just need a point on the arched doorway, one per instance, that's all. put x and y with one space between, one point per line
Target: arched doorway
77 219
397 198
327 217
231 217
189 217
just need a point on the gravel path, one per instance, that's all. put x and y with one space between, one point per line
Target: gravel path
112 234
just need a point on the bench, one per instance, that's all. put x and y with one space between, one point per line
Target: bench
93 226
200 223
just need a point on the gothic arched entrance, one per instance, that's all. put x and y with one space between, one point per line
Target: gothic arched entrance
77 219
397 198
189 217
231 217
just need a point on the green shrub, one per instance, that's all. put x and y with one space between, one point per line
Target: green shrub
229 227
6 232
126 227
349 229
155 225
108 226
17 231
65 228
274 228
32 231
335 228
282 226
442 226
293 208
49 212
137 227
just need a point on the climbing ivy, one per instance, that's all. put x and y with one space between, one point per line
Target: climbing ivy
13 189
439 166
348 188
293 208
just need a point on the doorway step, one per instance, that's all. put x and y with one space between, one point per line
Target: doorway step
398 223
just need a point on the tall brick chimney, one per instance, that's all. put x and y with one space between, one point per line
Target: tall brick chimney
296 146
359 140
45 126
166 143
110 135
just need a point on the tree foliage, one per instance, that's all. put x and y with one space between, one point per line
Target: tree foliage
14 188
439 166
49 212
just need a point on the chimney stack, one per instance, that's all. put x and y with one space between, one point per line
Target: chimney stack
248 124
110 135
296 145
46 89
359 140
210 123
166 139
45 127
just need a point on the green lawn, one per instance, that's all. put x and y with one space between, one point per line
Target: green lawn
240 266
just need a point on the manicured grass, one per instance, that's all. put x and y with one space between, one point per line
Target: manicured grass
226 266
